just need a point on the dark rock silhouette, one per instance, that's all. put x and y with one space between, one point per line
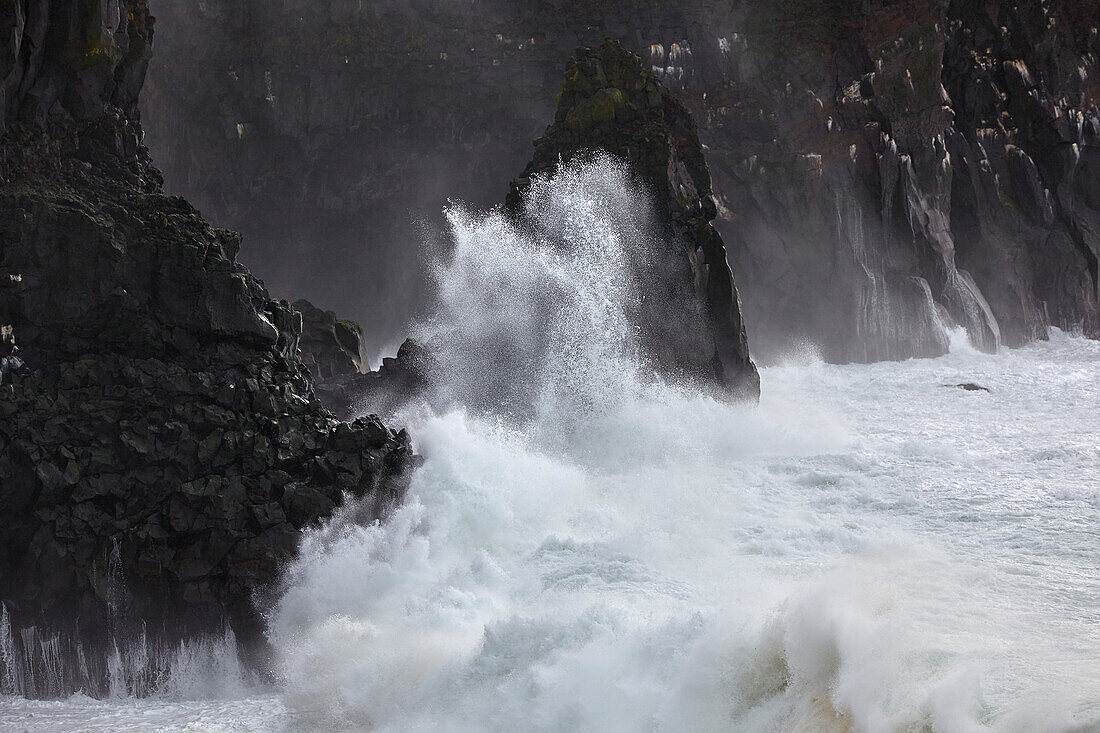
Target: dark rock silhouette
157 469
969 387
329 346
610 102
398 379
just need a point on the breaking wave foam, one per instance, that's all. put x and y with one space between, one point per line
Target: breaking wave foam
590 548
609 552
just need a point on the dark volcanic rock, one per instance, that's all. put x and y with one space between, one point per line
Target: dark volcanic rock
610 102
882 167
397 381
969 387
329 346
66 62
911 165
156 470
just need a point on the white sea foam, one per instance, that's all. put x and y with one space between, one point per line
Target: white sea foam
869 550
854 555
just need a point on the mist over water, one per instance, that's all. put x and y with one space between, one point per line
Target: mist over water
632 555
601 550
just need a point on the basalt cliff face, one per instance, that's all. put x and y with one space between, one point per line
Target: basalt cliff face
884 170
913 165
157 467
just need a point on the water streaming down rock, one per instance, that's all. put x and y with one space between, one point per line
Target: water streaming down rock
47 663
896 315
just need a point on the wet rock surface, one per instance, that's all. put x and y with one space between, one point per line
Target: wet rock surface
329 346
882 168
919 172
398 381
969 387
610 102
157 468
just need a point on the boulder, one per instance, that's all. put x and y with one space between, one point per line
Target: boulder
329 346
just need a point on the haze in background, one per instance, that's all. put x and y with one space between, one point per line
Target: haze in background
881 167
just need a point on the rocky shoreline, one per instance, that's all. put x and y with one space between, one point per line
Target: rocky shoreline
874 173
158 467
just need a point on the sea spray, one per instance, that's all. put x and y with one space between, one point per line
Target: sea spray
49 664
866 551
591 548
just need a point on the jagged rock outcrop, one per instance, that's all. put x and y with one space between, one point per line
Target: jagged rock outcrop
610 103
158 466
883 168
385 391
329 346
914 165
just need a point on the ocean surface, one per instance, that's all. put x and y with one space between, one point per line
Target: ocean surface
870 549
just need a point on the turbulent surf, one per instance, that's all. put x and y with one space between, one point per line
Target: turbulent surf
590 547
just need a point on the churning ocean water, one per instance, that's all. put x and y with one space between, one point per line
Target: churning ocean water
867 550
